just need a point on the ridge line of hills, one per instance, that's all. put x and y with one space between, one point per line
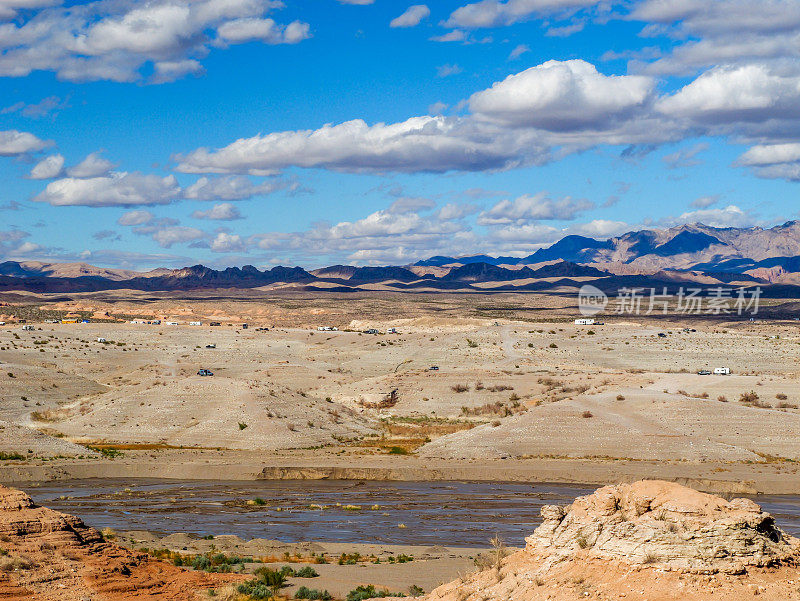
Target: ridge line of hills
692 253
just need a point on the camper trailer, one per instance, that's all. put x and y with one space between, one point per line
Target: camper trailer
722 371
584 322
28 328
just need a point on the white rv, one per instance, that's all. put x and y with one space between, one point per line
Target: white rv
722 371
584 322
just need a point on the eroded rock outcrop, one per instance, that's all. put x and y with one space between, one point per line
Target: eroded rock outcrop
667 524
46 555
650 540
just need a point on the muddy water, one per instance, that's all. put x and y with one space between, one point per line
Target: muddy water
432 513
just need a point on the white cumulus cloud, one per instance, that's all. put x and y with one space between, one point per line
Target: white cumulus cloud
116 39
118 189
734 94
430 143
730 216
136 217
94 165
412 16
224 242
48 168
563 96
494 13
220 212
230 188
16 143
263 30
536 207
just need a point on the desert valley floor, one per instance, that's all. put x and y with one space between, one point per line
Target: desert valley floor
518 394
518 385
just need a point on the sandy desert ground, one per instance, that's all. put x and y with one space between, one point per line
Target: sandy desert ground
529 389
520 393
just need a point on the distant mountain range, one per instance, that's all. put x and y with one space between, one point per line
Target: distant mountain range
692 247
695 253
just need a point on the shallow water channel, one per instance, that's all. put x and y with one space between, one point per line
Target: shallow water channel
459 514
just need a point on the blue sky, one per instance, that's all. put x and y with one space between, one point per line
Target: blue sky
252 131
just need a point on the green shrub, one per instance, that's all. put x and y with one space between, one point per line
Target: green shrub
369 592
312 593
346 559
10 456
106 452
402 558
265 585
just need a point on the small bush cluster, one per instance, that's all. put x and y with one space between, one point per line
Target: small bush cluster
751 399
349 559
369 592
4 456
312 593
265 585
106 452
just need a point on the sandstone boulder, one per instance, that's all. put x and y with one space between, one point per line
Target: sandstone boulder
663 523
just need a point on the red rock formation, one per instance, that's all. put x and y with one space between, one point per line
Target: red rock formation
50 556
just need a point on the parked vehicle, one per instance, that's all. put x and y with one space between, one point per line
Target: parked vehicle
704 372
205 372
433 368
211 346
